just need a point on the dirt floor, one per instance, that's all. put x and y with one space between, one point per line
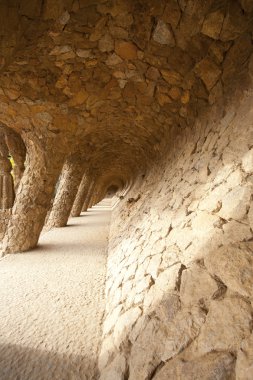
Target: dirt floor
52 303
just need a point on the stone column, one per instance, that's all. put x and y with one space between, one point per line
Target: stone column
89 196
101 196
17 150
6 180
71 176
92 200
81 195
97 194
33 197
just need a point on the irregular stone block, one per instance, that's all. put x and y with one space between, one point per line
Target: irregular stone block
163 35
197 286
235 232
228 322
244 363
213 24
116 370
106 44
172 13
235 203
172 77
124 324
233 264
247 162
110 320
143 361
204 224
210 366
126 50
209 72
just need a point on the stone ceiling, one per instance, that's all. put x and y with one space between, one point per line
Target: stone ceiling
111 79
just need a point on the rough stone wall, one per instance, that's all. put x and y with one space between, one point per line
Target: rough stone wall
180 268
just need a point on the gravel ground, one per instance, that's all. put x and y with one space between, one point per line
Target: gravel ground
52 303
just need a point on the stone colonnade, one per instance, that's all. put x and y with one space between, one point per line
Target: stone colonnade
47 192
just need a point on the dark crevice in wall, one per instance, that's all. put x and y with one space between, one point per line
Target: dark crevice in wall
178 282
156 370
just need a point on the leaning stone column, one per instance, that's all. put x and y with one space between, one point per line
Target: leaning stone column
17 150
71 176
92 202
97 194
33 197
95 198
81 196
89 196
6 180
101 196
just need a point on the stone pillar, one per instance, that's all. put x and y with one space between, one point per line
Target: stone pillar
101 196
81 195
96 196
6 180
92 200
89 196
71 176
17 150
33 197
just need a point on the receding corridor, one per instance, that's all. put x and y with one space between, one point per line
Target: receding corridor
141 112
52 303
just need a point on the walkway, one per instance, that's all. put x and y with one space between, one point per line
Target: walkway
52 303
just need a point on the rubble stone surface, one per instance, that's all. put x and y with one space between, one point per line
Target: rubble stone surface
150 103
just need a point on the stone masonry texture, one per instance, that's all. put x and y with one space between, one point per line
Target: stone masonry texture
179 274
153 99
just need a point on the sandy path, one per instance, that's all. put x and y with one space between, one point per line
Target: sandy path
52 303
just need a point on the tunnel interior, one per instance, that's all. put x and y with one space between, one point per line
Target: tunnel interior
148 106
111 190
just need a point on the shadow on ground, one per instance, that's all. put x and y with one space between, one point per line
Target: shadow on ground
23 363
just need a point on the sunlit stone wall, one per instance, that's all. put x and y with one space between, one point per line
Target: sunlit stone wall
180 270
